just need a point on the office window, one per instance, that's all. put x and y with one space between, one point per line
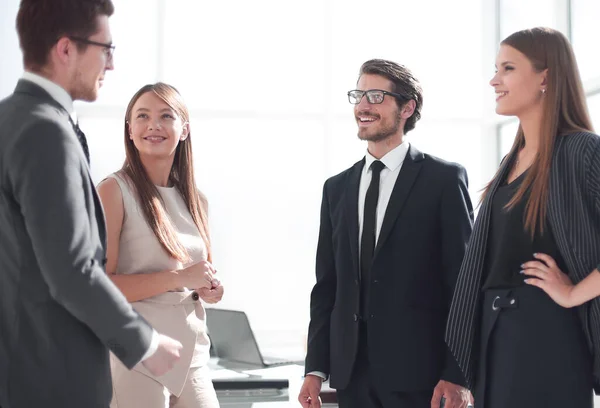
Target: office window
105 140
263 179
594 109
445 56
455 142
136 37
506 134
247 56
586 31
517 15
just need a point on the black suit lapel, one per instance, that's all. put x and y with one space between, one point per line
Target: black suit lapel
406 178
351 198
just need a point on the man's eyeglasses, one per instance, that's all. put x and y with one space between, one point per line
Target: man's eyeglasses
373 96
109 49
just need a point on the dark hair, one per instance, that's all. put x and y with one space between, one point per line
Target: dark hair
564 111
404 82
41 23
182 177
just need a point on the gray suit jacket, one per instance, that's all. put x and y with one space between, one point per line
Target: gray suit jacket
59 312
573 215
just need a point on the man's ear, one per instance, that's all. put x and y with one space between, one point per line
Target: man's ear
408 109
63 50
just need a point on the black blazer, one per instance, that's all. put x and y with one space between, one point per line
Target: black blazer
416 262
59 312
573 215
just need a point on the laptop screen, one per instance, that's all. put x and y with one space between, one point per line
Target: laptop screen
232 337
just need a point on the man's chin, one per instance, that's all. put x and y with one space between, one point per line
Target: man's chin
363 135
377 137
88 96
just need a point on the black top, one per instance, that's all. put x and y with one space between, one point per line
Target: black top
510 244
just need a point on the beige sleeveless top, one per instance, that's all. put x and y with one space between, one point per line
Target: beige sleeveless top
141 252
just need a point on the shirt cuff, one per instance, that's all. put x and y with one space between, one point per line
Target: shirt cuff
153 346
323 376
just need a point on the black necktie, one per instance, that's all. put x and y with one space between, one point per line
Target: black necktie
367 243
82 140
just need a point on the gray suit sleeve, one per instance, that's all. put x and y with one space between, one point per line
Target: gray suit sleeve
53 190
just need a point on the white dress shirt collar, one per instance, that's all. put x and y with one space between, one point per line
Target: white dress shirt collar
392 160
58 93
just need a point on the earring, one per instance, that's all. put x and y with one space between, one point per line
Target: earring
544 90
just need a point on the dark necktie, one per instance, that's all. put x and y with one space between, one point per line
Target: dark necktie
82 140
367 243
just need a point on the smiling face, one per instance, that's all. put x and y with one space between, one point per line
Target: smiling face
377 122
155 127
519 87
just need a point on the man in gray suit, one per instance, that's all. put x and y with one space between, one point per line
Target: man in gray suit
59 312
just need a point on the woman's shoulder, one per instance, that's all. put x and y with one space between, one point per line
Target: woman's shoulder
110 186
117 189
578 156
581 142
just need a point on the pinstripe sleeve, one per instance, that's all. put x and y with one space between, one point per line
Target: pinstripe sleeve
592 182
593 174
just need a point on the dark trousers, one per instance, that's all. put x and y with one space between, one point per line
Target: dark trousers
533 353
363 392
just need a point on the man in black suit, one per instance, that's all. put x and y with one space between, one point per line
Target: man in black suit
393 233
59 312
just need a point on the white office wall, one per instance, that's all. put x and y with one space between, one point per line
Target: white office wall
10 55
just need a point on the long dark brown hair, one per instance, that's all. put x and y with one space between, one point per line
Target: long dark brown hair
564 111
182 178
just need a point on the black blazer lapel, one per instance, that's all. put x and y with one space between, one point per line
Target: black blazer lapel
465 303
406 178
478 242
351 197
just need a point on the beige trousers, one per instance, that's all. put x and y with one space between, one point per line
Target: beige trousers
132 389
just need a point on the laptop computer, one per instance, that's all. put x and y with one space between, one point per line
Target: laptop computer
233 339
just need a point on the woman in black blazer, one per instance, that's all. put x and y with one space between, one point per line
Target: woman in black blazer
515 345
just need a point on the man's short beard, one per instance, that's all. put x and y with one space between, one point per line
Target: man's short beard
386 133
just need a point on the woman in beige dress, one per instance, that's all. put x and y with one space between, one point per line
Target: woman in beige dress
159 249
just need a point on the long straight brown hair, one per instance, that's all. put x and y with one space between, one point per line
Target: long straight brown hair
564 111
182 178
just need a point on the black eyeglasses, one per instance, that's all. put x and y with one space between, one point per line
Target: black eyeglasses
373 96
109 49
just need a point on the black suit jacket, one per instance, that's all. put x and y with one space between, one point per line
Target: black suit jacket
416 262
574 217
59 312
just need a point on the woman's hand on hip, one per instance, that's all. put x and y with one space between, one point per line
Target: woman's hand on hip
548 277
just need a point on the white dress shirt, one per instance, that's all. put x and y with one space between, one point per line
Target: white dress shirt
60 95
389 174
